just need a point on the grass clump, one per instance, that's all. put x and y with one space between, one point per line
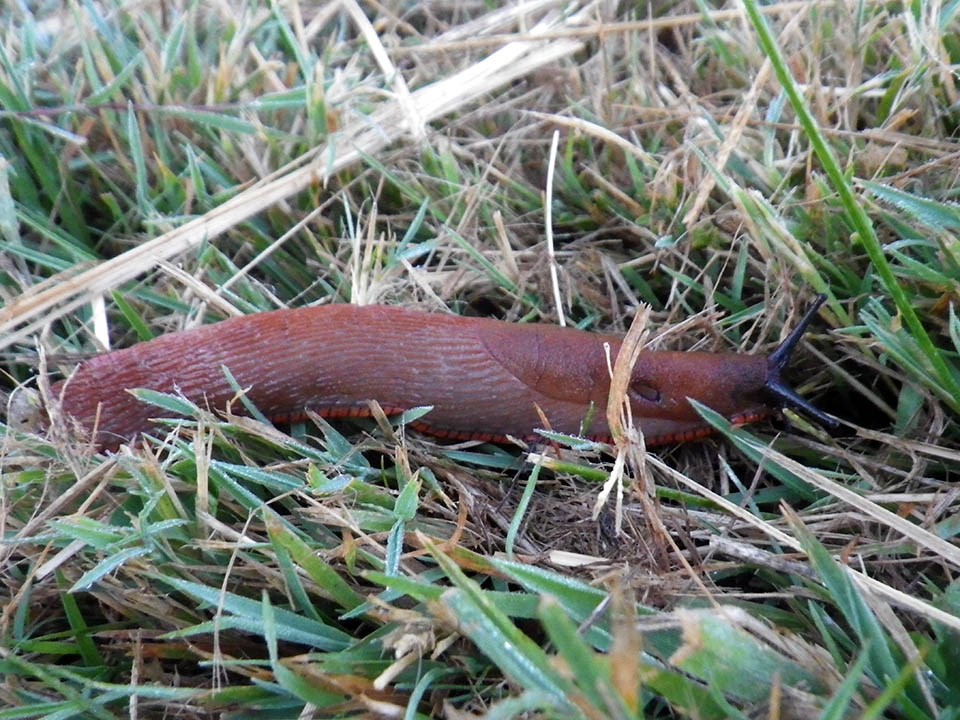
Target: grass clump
163 167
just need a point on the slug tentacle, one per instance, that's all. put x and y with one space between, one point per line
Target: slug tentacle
780 359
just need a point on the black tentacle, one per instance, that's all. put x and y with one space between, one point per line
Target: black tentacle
777 363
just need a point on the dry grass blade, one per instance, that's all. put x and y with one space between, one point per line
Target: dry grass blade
234 564
898 597
922 537
26 316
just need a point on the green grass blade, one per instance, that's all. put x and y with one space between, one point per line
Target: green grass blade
863 227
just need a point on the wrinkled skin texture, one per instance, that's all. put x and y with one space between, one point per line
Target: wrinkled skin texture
484 378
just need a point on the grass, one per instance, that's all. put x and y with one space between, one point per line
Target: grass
163 167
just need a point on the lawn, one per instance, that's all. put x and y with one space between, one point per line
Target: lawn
696 173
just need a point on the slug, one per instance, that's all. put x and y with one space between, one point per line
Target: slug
486 379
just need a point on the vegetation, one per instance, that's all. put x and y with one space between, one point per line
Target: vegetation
171 164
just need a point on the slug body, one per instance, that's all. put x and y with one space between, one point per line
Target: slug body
486 379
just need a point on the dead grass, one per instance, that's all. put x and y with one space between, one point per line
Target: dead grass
167 166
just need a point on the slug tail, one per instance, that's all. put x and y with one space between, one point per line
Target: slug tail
778 362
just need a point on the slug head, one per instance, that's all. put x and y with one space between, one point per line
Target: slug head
742 387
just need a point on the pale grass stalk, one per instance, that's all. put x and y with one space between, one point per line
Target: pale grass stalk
652 26
868 584
67 292
548 228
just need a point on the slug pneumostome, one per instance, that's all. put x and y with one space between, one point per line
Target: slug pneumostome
485 379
